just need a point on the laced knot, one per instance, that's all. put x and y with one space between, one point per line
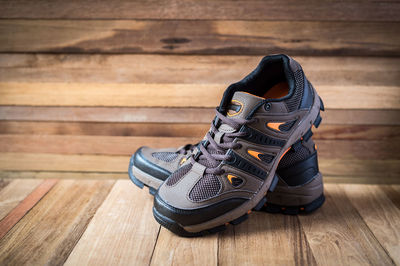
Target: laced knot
213 152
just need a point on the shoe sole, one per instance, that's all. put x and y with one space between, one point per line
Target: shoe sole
271 208
312 118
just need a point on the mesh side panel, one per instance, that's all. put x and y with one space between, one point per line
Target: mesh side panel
165 156
292 157
294 101
178 174
287 126
208 186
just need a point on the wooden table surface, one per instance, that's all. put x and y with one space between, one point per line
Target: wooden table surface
108 222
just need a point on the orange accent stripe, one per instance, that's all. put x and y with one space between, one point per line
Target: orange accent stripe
254 154
230 178
275 125
24 207
284 153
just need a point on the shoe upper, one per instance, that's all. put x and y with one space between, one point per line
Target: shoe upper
253 128
160 163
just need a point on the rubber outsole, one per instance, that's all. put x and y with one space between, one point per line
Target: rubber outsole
294 210
270 208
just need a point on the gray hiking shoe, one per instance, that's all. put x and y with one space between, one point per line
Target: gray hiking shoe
299 188
259 119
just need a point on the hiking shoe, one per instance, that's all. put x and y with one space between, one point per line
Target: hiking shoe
256 123
299 188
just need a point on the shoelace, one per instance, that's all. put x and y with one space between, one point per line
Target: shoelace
187 148
215 152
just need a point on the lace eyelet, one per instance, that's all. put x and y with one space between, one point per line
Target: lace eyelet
267 106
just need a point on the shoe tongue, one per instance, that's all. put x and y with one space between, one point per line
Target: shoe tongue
241 105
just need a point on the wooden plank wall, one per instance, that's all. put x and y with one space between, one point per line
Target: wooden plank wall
85 83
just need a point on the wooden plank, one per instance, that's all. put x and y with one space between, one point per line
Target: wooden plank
10 175
176 115
265 239
105 68
178 95
122 232
194 10
200 37
48 233
116 145
174 250
326 132
393 193
380 214
25 206
14 193
337 233
385 169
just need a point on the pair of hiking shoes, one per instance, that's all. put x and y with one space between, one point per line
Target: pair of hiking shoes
257 155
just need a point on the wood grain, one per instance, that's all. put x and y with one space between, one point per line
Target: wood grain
123 231
354 168
200 37
25 206
380 215
194 10
176 115
342 237
174 250
48 233
326 132
189 69
178 95
14 193
10 175
116 145
260 239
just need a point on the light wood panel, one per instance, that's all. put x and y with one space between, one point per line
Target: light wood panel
265 239
116 145
382 219
173 250
14 193
352 168
122 232
200 37
343 237
194 10
48 233
176 115
178 95
189 69
10 175
25 206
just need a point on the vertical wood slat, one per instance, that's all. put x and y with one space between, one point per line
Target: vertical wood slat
50 230
28 203
122 231
380 214
337 233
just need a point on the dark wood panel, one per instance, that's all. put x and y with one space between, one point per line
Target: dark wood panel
192 9
200 37
43 68
175 115
332 149
326 132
